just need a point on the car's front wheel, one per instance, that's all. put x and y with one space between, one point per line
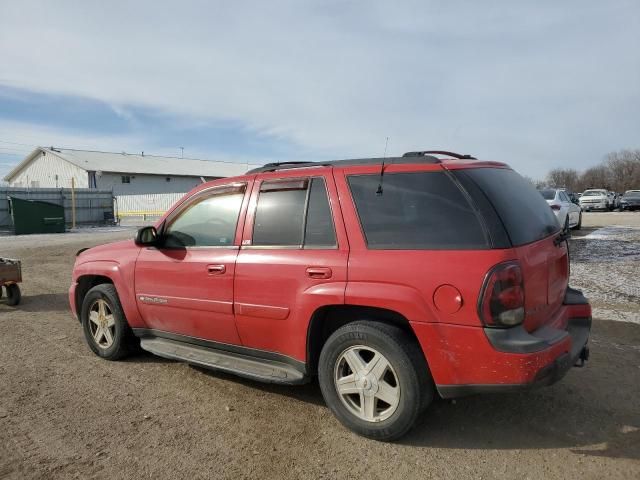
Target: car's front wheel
105 325
374 378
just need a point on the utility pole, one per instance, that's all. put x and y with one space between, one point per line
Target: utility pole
73 202
182 152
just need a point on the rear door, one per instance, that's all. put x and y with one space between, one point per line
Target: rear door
293 259
532 228
185 285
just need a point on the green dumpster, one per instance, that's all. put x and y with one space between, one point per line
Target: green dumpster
35 216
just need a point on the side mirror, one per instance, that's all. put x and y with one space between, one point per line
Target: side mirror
146 237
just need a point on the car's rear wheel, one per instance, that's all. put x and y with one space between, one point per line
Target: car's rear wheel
105 325
579 224
374 378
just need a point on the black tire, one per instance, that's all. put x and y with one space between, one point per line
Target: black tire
579 225
409 366
123 342
13 294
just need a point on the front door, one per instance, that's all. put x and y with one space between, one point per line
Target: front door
185 285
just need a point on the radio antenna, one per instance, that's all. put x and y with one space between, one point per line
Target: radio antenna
379 191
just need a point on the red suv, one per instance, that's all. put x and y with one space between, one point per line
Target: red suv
392 280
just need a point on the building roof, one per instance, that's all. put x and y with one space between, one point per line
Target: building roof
137 163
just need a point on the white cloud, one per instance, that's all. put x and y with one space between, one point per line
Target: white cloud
536 85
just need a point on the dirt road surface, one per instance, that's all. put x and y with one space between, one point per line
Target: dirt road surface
65 413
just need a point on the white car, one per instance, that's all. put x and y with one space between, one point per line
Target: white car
569 214
595 199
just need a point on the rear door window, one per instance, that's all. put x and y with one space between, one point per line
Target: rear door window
294 213
319 229
523 211
416 211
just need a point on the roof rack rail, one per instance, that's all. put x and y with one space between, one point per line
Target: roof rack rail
440 152
272 167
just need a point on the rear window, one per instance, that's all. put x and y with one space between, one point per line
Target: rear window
416 211
548 194
524 212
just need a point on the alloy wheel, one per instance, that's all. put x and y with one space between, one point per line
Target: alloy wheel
102 325
366 383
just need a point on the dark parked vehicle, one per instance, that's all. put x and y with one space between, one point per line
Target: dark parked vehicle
630 200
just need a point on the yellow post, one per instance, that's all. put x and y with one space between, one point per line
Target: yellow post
73 202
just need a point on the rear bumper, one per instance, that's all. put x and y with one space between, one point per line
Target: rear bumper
470 360
578 331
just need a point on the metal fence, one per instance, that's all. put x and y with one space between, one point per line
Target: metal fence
145 206
92 206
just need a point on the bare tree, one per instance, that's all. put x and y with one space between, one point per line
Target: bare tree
595 177
624 169
563 178
619 171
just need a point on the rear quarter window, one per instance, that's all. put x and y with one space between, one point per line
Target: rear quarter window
416 211
524 212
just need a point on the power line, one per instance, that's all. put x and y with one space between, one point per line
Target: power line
45 145
16 143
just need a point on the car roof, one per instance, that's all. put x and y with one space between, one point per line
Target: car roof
419 157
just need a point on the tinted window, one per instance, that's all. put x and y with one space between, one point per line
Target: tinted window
548 194
319 231
280 214
420 210
524 213
594 193
209 220
563 197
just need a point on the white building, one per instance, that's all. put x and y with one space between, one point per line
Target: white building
124 173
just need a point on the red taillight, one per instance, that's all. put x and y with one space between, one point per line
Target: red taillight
502 298
555 207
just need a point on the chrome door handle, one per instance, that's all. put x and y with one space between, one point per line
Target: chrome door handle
216 269
319 272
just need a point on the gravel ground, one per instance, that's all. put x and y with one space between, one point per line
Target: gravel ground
64 413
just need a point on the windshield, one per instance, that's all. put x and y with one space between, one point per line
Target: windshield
548 194
594 193
632 193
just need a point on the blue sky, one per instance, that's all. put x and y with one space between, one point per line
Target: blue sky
535 84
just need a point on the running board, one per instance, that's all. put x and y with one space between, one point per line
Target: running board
264 370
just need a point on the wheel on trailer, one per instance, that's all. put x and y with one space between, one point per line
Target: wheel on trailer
375 379
13 294
105 325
